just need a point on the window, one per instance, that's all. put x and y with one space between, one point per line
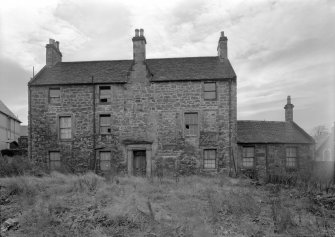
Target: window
291 157
209 159
54 95
105 94
191 124
326 155
105 123
54 160
209 90
248 157
105 160
65 131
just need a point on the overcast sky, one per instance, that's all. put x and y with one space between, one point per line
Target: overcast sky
277 48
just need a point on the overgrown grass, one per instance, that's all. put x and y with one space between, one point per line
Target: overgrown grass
89 205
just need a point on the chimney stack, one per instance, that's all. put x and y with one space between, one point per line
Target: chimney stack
289 110
139 43
222 47
53 54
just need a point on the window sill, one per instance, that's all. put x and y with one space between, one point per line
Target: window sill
66 140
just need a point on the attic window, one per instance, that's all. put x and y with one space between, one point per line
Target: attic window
209 90
105 94
54 95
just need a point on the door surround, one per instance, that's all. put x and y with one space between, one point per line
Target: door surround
130 148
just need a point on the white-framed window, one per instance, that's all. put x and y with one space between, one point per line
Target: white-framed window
291 157
65 127
105 160
209 90
209 159
54 160
326 155
104 94
105 123
248 159
191 124
54 95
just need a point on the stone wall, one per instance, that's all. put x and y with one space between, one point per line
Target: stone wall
270 159
141 112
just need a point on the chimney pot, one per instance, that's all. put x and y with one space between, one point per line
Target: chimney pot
222 33
141 32
222 47
57 45
289 110
136 32
53 54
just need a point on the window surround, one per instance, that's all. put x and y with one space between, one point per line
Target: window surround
50 98
50 161
215 159
104 98
185 125
296 163
105 125
209 90
110 160
248 157
58 126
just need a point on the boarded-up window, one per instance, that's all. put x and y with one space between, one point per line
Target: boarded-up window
54 160
65 131
191 124
248 157
54 95
291 157
210 159
105 124
105 94
105 160
209 90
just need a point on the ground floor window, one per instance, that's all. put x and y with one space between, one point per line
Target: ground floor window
105 160
291 157
248 157
54 160
209 159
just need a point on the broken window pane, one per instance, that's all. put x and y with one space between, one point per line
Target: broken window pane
105 93
191 123
105 123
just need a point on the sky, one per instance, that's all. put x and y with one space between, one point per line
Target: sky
277 48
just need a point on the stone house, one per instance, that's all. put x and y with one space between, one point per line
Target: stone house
95 114
274 147
9 127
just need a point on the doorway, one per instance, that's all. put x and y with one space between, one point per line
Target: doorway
139 163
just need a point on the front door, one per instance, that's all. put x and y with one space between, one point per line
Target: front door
140 163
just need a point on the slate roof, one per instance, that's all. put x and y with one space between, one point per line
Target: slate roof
166 69
249 131
4 109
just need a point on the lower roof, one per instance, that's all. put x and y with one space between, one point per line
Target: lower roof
251 131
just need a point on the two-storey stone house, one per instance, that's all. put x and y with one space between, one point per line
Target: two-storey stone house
83 115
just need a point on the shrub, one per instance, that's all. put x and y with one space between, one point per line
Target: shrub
16 165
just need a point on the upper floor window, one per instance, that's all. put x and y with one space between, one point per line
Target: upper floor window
105 123
54 95
104 94
65 127
209 159
105 160
248 157
326 155
291 157
191 124
54 160
209 90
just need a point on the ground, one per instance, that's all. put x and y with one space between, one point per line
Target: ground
89 205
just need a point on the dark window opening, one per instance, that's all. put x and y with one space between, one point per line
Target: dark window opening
104 94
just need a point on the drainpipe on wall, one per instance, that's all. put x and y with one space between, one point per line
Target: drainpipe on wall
94 132
30 123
